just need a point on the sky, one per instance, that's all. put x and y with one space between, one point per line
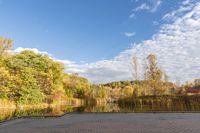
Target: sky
97 38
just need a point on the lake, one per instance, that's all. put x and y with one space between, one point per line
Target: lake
144 106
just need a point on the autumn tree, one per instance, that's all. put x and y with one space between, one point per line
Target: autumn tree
77 86
38 75
197 83
101 92
4 83
5 77
154 74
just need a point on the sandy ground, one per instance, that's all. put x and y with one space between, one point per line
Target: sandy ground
107 123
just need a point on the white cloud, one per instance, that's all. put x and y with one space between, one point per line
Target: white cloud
186 2
143 6
177 46
132 15
156 4
129 34
150 6
20 49
155 23
187 5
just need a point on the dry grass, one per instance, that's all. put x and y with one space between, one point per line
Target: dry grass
6 104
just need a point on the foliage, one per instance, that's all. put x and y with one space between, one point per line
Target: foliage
4 84
100 91
31 78
76 86
127 92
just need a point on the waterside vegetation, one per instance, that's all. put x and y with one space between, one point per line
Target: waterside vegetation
29 79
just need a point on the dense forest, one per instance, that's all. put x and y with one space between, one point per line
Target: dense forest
29 78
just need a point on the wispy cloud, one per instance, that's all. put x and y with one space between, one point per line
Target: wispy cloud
129 34
156 5
186 2
176 45
155 23
132 15
143 6
150 6
187 5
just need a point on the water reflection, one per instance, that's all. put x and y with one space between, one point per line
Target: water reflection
6 114
157 105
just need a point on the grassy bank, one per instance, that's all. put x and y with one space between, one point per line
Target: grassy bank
9 109
6 104
161 103
68 102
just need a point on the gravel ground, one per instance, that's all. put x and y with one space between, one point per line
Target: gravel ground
107 123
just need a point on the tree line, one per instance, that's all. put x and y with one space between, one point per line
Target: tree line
154 83
30 78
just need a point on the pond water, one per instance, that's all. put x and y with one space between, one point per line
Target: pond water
150 106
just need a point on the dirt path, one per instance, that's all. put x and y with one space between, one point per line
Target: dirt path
107 123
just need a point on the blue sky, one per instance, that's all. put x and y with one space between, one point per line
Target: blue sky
97 38
80 30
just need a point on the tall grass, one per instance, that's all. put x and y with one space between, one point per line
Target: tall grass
6 104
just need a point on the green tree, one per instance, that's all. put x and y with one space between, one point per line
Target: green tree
78 86
46 75
7 82
4 83
29 91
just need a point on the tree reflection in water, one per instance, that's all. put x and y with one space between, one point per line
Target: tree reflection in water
164 104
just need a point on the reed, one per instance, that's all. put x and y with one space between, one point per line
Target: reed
6 104
33 106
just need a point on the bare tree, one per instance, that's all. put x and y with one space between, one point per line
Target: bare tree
165 76
145 68
5 45
135 68
135 75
